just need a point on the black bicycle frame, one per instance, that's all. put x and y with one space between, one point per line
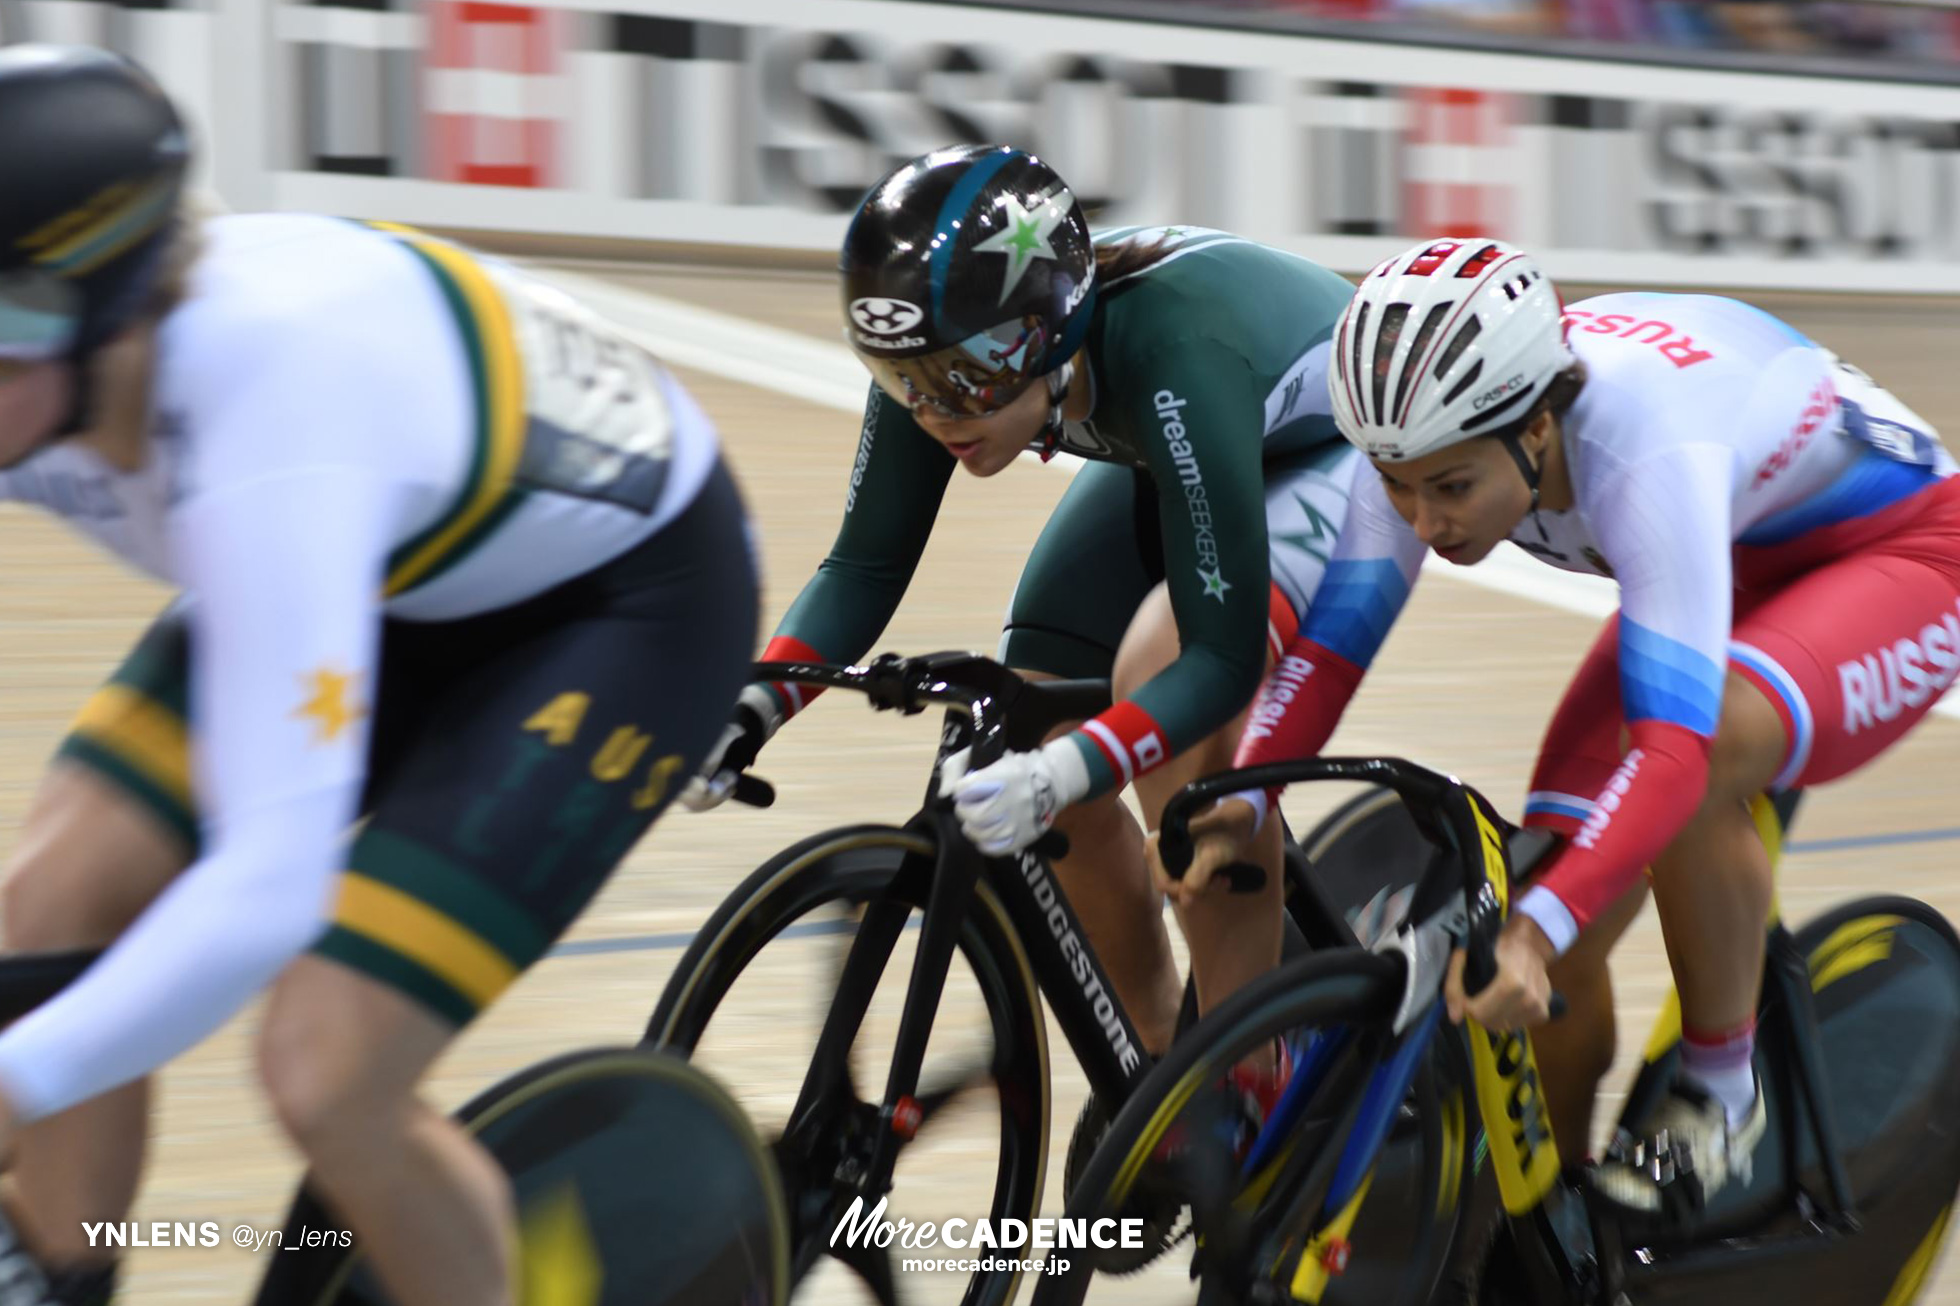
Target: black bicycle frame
981 697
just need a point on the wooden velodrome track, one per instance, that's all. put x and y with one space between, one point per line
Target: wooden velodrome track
1466 682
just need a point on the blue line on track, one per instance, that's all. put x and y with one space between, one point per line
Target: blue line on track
660 942
1873 840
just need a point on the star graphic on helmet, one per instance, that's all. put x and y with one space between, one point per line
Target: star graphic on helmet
1025 238
1215 583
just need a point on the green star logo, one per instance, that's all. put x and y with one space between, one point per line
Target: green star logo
1215 584
1027 235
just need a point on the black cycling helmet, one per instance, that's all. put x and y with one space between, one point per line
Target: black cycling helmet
92 163
968 274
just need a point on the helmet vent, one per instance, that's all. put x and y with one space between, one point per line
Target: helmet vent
1360 334
1430 322
1460 342
1385 341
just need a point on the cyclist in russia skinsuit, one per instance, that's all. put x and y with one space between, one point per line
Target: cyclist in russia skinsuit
1786 539
455 558
1189 366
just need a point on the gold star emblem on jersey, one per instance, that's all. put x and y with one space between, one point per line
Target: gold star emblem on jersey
330 704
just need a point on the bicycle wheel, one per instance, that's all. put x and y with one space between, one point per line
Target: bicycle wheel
606 1150
754 991
1407 1224
1885 979
1365 857
1308 917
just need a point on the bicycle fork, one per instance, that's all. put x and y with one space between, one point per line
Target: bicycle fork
1326 1249
1330 1186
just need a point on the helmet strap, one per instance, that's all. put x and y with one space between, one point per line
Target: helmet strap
1513 442
1050 440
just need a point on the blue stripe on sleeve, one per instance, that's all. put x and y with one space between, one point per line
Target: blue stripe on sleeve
1662 679
1355 606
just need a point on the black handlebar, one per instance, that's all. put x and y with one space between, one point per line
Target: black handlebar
1006 711
29 979
1443 810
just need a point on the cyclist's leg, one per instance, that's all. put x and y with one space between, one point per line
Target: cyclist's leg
107 830
1811 696
1581 750
1234 937
1057 626
1712 888
559 732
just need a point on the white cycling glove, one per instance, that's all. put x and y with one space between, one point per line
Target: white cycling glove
1005 807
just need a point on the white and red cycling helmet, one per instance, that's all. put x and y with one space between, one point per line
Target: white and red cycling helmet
1453 339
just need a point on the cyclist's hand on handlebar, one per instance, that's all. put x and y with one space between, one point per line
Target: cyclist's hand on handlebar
755 719
1521 994
1006 807
1219 837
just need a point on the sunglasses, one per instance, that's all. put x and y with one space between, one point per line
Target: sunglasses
976 378
39 315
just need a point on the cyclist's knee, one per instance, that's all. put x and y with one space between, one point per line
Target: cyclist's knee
88 861
340 1055
1749 745
318 1101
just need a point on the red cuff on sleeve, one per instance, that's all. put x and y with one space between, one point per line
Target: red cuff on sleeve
794 698
1129 740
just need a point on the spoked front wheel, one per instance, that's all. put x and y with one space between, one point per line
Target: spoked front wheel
1183 1130
803 1035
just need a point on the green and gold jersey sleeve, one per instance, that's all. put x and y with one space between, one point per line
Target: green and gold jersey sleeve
898 480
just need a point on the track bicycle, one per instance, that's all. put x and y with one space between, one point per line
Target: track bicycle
1009 924
1850 1191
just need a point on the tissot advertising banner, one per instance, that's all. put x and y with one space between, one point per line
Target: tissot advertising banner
759 122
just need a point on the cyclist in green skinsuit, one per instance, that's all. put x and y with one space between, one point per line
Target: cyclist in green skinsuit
1189 366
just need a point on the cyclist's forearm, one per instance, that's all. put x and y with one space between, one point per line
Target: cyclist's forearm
1652 795
1298 706
837 618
